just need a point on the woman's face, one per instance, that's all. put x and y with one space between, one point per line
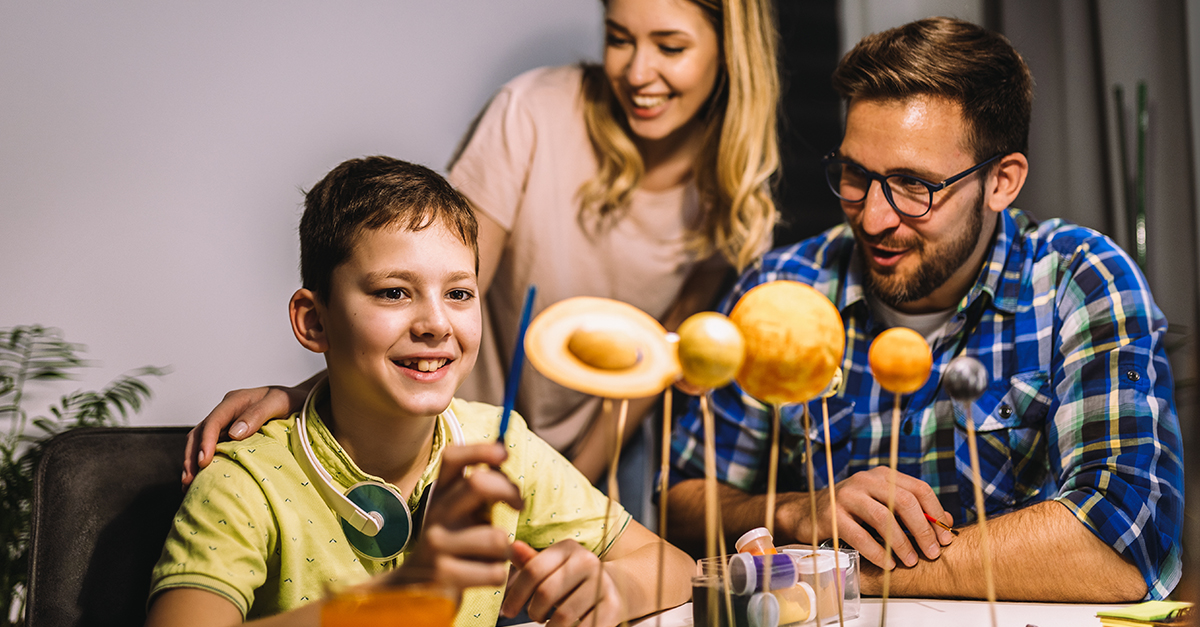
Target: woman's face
662 58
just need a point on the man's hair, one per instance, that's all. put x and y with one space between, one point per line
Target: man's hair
953 59
369 194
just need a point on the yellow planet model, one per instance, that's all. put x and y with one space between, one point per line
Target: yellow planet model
711 350
900 360
794 341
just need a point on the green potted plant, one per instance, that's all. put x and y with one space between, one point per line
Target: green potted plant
40 355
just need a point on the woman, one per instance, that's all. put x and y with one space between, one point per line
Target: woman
641 180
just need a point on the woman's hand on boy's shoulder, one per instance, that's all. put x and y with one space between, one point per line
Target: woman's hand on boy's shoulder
250 408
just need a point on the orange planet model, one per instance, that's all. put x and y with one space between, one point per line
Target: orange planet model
794 341
711 350
900 360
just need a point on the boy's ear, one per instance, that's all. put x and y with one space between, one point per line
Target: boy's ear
305 313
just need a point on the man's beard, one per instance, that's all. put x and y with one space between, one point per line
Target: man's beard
934 267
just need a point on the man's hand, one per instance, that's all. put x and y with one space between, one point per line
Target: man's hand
459 546
562 578
862 508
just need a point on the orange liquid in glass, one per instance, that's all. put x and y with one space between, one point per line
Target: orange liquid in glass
408 607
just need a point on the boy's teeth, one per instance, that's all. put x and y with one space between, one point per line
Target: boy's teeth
648 102
424 365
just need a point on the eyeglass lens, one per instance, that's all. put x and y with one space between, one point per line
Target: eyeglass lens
851 183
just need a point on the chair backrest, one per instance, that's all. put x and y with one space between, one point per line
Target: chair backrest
103 503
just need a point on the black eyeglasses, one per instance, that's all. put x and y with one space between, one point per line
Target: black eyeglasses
908 195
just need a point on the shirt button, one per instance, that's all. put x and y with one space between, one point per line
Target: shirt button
1005 411
1132 375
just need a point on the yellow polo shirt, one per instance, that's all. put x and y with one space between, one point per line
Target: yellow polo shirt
253 530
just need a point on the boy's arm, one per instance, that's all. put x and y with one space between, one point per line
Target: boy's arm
194 607
566 518
633 564
569 579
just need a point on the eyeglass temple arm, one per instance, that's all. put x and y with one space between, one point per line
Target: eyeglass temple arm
961 175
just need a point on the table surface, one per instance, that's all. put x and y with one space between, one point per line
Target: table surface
927 612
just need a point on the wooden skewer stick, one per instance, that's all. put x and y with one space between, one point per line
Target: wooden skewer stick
663 480
710 480
726 589
965 380
837 549
981 512
613 497
900 361
772 470
714 537
893 459
772 480
812 498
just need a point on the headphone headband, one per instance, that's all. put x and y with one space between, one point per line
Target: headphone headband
367 524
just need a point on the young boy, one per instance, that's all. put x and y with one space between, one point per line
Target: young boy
389 262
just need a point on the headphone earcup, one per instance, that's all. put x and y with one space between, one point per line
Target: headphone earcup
393 536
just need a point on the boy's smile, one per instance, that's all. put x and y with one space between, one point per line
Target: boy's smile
401 324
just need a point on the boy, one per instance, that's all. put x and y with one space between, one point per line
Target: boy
389 264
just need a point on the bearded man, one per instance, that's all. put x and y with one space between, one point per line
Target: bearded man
1079 440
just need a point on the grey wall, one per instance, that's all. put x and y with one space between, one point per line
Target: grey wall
152 156
863 17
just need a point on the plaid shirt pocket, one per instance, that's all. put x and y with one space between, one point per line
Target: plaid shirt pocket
1009 422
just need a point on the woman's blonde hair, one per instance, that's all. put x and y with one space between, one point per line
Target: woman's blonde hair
740 152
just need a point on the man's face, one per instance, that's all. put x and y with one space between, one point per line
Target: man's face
402 321
925 264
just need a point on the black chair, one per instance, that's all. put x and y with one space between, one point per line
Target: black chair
104 500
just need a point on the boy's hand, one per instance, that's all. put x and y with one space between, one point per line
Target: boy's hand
562 578
459 547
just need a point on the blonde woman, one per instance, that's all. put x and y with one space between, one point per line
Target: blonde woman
643 180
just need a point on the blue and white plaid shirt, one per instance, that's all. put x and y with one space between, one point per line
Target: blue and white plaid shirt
1080 407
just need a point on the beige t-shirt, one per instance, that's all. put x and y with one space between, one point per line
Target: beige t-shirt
523 165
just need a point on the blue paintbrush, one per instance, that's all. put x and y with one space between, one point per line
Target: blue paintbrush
518 361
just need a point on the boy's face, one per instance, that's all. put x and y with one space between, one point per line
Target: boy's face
402 321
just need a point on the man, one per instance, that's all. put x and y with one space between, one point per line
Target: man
1079 442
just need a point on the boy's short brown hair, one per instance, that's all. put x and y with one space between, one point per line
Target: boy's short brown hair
953 59
373 193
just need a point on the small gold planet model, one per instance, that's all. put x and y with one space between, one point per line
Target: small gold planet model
900 360
794 341
711 350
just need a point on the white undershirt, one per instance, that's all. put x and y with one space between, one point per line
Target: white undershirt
929 325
